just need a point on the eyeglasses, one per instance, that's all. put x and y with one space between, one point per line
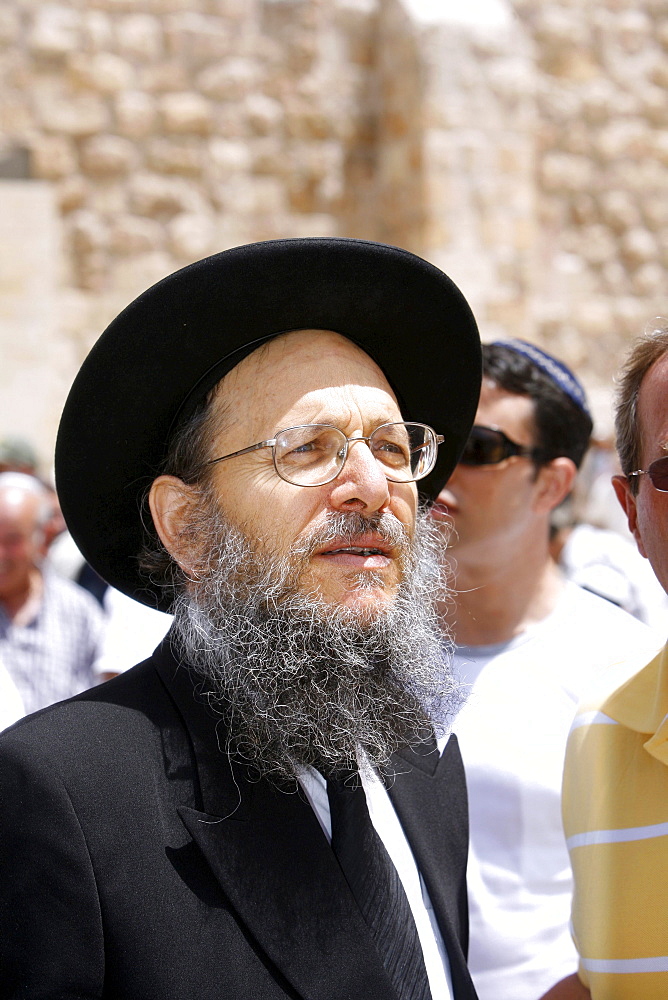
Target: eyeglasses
657 472
314 454
490 446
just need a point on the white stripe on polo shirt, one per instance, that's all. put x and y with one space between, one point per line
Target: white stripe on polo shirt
621 836
626 965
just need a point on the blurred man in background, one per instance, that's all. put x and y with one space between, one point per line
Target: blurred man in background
49 627
616 776
18 455
528 642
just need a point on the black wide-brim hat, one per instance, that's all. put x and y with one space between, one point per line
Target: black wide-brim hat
169 347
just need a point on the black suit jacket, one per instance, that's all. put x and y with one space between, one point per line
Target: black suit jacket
137 862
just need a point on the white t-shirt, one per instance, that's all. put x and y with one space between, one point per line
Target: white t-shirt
512 733
611 566
131 632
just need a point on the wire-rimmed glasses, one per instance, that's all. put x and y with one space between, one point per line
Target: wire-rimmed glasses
314 454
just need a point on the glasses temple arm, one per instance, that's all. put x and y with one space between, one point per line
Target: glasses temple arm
243 451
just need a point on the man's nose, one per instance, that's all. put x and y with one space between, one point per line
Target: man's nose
361 484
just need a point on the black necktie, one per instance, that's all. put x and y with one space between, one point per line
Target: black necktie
376 886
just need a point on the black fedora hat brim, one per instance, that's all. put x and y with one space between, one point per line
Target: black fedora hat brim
164 352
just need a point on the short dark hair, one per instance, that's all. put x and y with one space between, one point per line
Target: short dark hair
187 457
563 427
644 352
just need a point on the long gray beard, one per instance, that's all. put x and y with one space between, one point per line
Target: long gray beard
300 682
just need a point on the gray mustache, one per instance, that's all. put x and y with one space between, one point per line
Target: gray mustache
348 527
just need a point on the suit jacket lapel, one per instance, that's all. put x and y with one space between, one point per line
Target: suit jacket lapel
429 796
267 850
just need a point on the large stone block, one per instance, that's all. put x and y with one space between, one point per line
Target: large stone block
623 138
639 246
130 235
198 38
102 72
619 210
140 37
72 193
230 79
649 279
170 156
567 172
191 236
186 113
52 156
73 115
634 29
229 156
10 25
136 113
164 76
129 276
55 32
162 197
97 31
88 232
106 155
598 245
268 156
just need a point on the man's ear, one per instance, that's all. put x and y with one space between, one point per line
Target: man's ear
555 482
171 502
622 489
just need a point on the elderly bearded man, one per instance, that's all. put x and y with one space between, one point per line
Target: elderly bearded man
259 810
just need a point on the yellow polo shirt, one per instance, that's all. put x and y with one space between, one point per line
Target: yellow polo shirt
615 804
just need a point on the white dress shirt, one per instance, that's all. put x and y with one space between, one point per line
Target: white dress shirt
387 826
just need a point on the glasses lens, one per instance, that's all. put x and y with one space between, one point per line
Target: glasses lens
658 473
406 451
485 446
310 455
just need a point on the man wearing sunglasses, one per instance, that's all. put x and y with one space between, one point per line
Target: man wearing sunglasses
616 774
527 644
260 810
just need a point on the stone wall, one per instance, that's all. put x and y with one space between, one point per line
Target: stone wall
526 157
602 174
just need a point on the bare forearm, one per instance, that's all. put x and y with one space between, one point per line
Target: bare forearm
569 988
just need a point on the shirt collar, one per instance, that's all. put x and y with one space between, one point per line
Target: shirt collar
641 704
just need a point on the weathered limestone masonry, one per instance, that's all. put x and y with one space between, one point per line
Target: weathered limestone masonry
602 174
527 156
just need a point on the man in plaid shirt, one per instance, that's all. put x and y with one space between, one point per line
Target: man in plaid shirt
49 627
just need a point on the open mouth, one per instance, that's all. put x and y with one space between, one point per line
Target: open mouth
368 553
355 550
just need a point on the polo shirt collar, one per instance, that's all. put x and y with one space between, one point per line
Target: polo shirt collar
641 704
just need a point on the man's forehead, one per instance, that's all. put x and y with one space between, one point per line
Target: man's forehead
18 504
494 395
306 355
653 400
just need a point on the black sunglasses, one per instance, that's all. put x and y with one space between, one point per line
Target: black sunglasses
657 472
489 446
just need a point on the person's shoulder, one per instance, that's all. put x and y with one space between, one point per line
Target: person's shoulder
638 668
590 638
104 723
596 612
